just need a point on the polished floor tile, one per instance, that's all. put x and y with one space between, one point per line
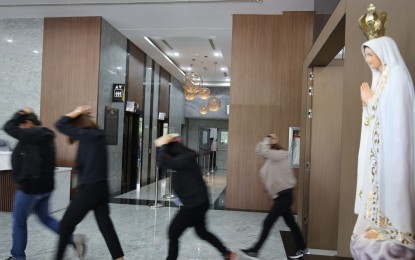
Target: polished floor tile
143 231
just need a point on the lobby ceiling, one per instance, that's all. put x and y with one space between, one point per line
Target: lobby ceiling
179 30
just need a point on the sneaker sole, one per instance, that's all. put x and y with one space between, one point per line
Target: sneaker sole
249 257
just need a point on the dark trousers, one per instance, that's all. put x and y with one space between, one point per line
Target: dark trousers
194 217
93 196
281 207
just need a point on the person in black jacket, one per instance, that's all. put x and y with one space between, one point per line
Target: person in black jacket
93 194
189 186
33 164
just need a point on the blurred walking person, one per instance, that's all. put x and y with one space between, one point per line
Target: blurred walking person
93 193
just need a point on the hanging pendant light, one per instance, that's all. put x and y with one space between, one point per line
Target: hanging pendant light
192 81
214 103
203 110
204 92
189 96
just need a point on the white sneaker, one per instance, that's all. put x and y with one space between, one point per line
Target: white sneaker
79 245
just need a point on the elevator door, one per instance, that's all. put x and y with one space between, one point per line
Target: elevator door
325 158
132 151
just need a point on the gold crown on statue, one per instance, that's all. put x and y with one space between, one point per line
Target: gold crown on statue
372 24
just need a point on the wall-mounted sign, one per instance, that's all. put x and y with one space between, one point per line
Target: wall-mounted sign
131 106
118 92
162 115
111 125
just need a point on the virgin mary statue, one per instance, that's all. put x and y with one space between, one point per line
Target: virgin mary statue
385 195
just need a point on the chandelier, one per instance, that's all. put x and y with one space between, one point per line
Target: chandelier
204 93
203 110
214 103
189 96
193 86
192 82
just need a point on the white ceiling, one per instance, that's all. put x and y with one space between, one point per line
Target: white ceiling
186 26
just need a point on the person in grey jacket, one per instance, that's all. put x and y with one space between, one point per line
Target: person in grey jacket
279 182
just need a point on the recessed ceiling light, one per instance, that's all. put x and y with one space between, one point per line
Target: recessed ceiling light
35 51
223 69
119 68
9 40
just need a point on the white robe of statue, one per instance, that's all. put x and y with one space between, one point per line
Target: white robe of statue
385 194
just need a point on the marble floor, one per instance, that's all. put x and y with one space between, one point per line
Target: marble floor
143 230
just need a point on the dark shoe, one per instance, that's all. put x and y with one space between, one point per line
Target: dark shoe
10 258
79 245
299 253
250 252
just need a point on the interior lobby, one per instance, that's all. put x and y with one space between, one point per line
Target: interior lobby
267 66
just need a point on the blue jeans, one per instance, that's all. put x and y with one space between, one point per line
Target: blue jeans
23 205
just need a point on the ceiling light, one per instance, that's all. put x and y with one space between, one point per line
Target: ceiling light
214 104
176 54
217 54
189 96
223 69
203 110
119 68
192 82
35 51
9 40
204 93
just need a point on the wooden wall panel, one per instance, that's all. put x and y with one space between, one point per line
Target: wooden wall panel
325 158
267 56
136 75
8 188
164 95
70 69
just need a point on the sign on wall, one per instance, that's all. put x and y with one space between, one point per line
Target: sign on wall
118 92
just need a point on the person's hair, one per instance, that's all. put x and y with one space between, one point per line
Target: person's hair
32 117
277 146
82 121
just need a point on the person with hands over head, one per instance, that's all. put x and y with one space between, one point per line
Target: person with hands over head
279 181
188 184
33 164
93 193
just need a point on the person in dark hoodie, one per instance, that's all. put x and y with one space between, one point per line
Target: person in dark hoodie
93 194
189 186
33 164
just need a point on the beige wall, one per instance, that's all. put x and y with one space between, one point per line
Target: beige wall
267 56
